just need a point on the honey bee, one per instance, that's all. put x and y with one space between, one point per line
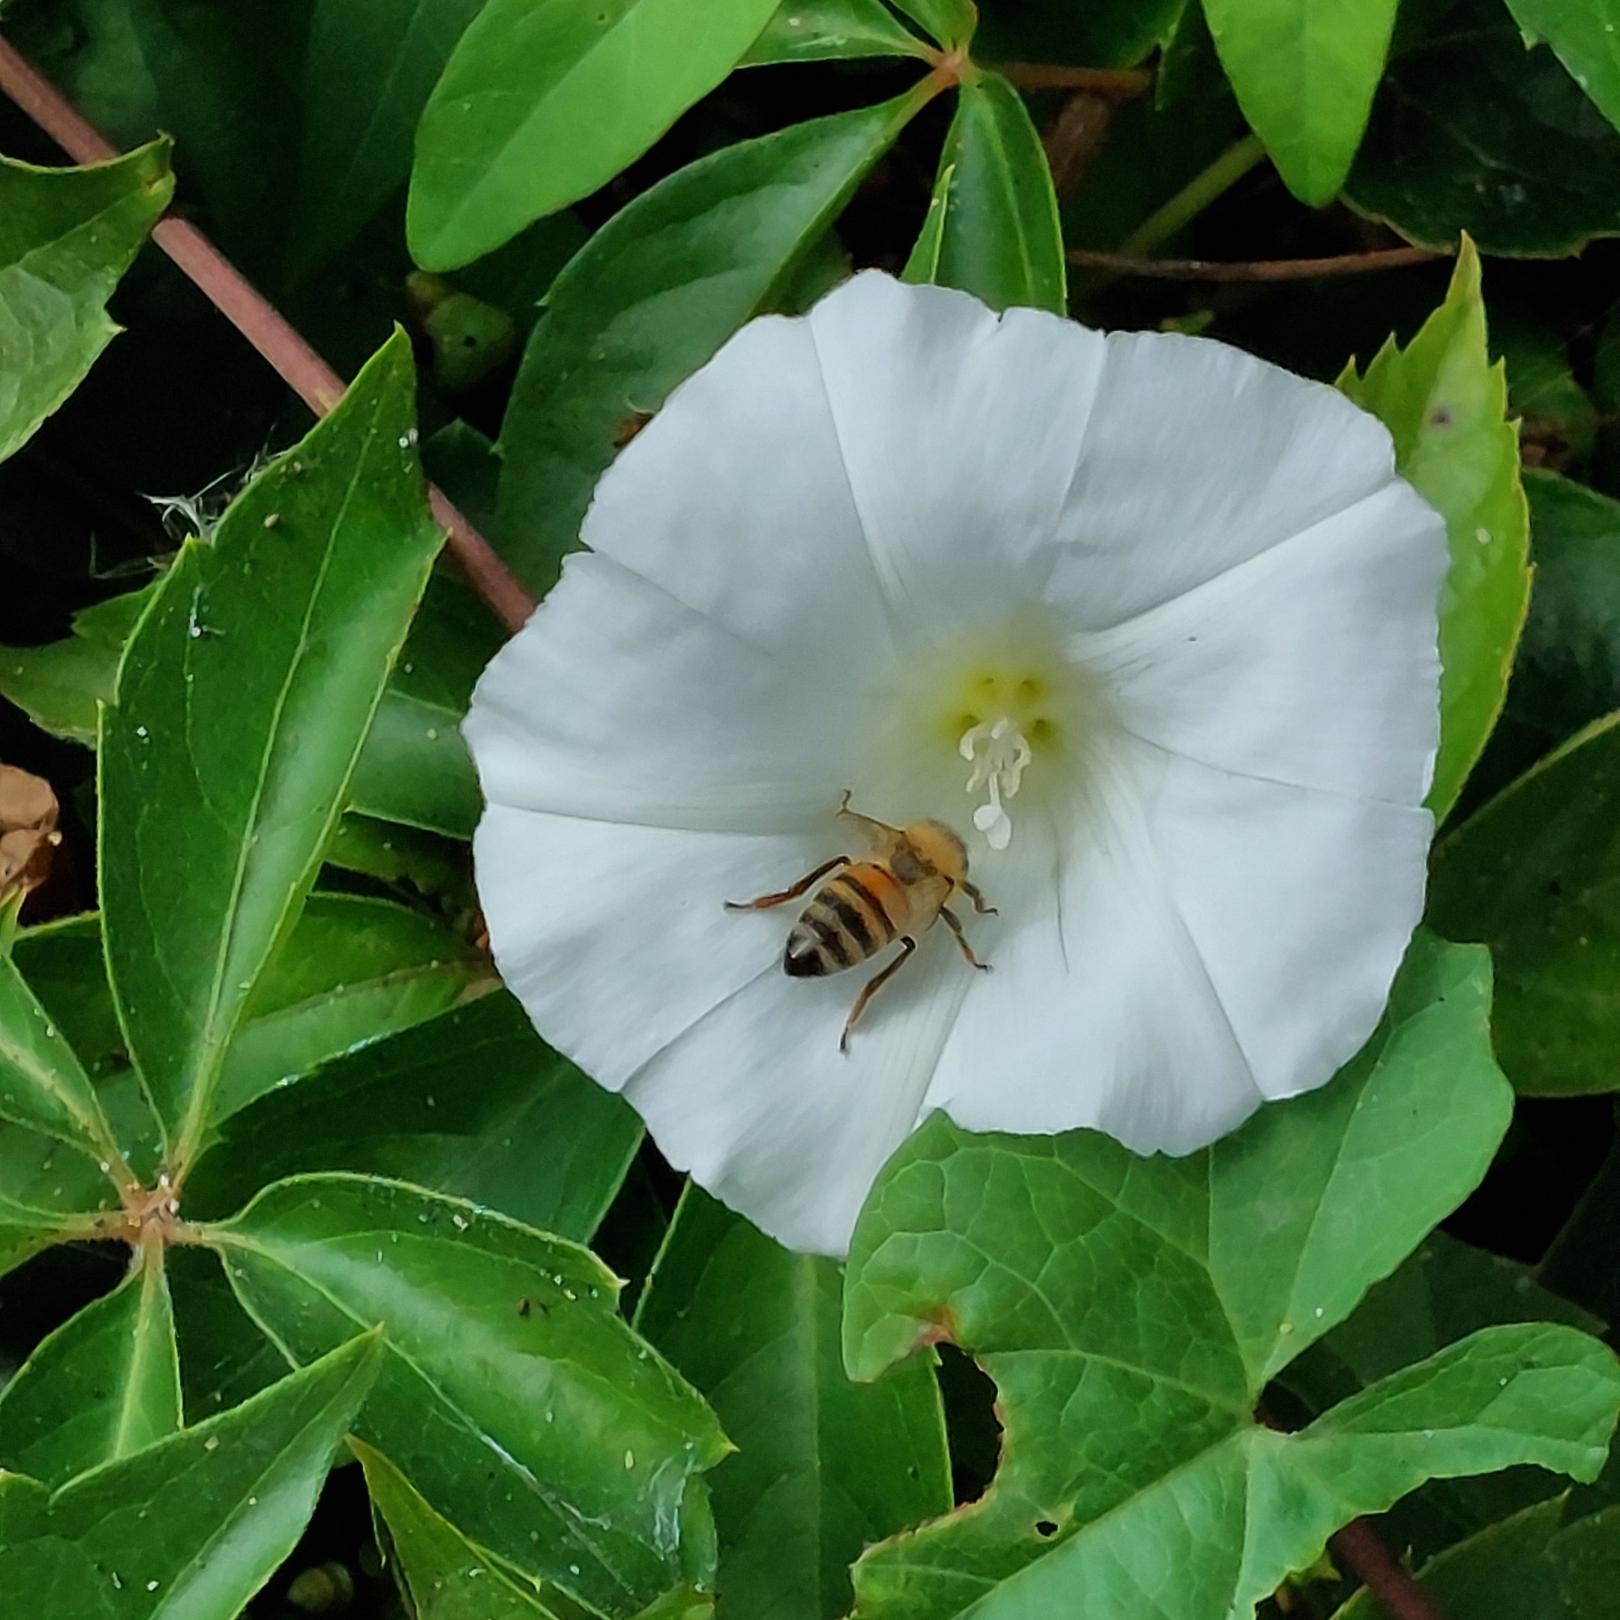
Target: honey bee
894 894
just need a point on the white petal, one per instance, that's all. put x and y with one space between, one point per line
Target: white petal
1302 905
1099 1010
759 1104
1314 662
735 500
1201 941
615 937
1197 457
620 703
960 429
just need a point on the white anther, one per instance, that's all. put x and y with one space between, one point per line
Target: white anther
999 752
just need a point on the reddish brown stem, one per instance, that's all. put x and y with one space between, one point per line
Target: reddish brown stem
247 309
1076 136
1120 84
1359 1547
1343 264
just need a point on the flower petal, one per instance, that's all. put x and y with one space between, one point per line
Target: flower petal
960 429
1202 941
1196 458
734 499
1301 903
1100 1010
1314 662
615 937
757 1101
620 703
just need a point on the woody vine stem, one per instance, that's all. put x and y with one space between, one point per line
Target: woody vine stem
313 380
230 292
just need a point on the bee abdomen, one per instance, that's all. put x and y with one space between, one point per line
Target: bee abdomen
843 925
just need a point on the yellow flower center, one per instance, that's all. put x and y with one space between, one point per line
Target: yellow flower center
1002 719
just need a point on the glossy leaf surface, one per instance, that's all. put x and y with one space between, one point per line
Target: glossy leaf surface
240 1486
42 1083
103 1385
1585 37
1088 1282
247 691
1531 875
66 236
1471 132
513 1396
413 770
444 1574
356 148
543 101
992 225
830 30
652 296
1305 72
471 1103
1445 404
823 1467
354 970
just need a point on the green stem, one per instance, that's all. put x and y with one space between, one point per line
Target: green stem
1203 189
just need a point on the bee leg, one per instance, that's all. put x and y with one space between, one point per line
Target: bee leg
877 831
767 900
978 899
954 923
871 988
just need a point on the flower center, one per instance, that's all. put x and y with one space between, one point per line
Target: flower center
1003 722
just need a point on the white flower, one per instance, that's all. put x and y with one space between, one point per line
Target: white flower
1151 623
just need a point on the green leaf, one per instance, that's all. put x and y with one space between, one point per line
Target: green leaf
1305 72
513 1396
543 101
415 863
224 1357
42 1084
1472 133
1532 875
1445 405
992 225
243 700
950 22
355 970
26 1231
1533 1563
445 1576
1585 37
1099 34
356 149
414 769
1567 672
194 1525
828 30
66 236
824 1467
1441 1294
61 685
653 295
1131 1311
531 1137
104 1384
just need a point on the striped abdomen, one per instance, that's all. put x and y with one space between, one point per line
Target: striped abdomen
852 917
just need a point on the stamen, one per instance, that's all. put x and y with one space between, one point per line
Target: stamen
999 752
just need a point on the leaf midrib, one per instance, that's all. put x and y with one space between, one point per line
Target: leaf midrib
208 1053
